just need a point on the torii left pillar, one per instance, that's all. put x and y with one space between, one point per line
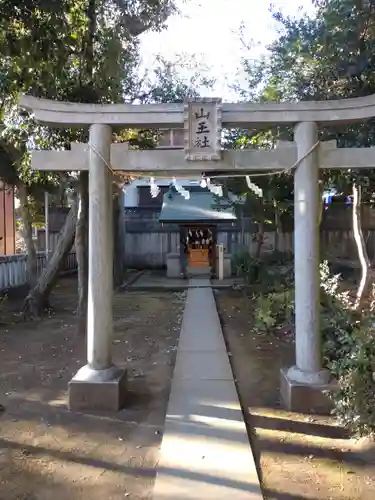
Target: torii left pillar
99 385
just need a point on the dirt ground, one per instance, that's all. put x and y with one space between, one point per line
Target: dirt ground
299 457
48 452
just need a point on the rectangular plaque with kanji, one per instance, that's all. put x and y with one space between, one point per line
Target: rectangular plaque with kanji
202 129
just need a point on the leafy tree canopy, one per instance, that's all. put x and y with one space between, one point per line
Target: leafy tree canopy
79 51
329 55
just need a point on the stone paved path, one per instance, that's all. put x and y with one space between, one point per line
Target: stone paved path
205 451
154 280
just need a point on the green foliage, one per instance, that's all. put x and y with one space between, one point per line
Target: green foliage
348 340
329 55
338 320
354 370
246 266
273 272
349 353
65 50
274 309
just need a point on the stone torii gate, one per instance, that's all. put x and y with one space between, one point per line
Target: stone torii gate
100 384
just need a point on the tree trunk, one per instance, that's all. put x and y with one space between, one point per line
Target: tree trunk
361 246
81 236
119 238
37 300
89 55
278 228
260 232
81 246
321 205
259 240
242 227
27 233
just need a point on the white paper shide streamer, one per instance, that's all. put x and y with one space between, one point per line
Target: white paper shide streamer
217 190
180 189
154 188
254 188
206 183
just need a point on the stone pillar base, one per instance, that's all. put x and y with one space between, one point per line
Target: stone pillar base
174 268
227 266
103 390
303 397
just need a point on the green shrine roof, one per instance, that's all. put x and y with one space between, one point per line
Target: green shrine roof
202 206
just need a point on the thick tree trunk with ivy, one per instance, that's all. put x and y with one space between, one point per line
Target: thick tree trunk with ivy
361 245
27 233
38 299
81 246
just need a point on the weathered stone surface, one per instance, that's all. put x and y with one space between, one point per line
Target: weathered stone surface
107 395
227 266
168 115
100 280
202 129
160 161
174 265
305 398
306 250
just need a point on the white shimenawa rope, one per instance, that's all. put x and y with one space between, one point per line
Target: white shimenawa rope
206 181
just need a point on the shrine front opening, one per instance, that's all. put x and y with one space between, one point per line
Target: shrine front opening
199 216
100 383
198 243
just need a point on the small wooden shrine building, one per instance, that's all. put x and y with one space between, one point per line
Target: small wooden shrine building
198 215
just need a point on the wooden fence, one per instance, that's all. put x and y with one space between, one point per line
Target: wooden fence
149 250
147 242
13 269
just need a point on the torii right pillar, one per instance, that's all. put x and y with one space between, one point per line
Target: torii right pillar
303 386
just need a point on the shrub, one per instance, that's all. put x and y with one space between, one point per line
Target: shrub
246 266
272 271
349 353
274 309
354 371
348 341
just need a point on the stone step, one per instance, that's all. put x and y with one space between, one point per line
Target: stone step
205 271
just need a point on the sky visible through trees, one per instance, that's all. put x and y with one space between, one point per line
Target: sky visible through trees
210 33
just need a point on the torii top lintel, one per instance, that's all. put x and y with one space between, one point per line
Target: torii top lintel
247 115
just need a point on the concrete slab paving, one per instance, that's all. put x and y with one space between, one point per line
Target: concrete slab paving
204 336
157 280
203 365
205 452
199 401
